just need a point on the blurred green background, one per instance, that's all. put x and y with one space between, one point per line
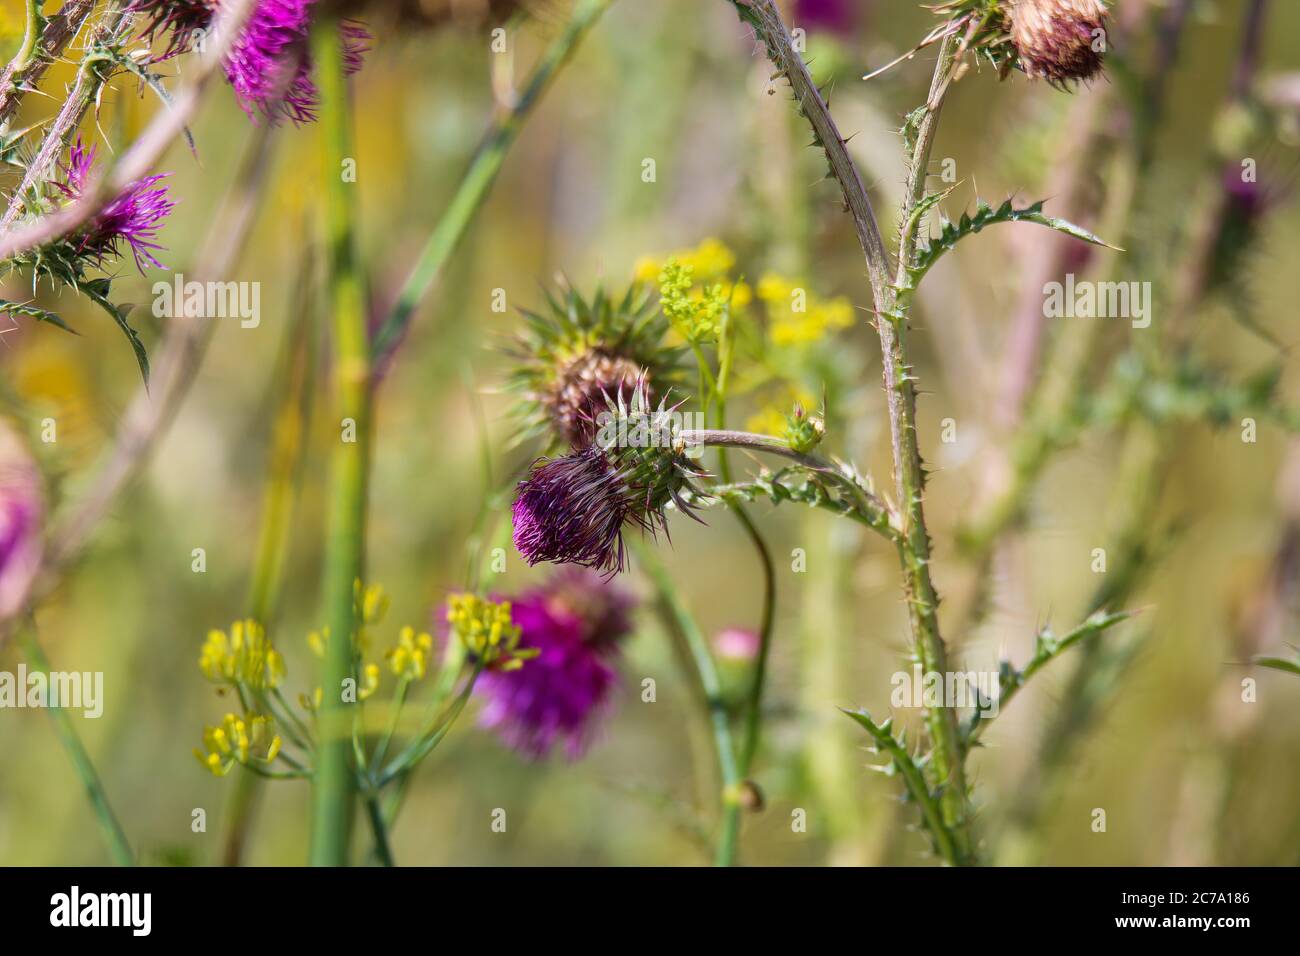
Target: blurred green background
679 82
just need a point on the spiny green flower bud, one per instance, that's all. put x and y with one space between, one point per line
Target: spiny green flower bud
804 432
1059 40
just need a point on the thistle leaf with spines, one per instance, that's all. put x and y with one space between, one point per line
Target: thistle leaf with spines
985 215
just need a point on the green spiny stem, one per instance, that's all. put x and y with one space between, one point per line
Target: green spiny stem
56 33
86 88
914 544
119 847
891 325
333 783
478 180
31 38
914 780
875 513
1046 650
680 619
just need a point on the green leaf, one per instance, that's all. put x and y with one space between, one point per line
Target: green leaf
97 290
986 215
28 311
1279 664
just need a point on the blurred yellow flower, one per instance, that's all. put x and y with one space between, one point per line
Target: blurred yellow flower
410 658
238 740
487 631
796 316
245 656
710 261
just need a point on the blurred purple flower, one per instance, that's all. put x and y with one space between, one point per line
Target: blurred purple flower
131 217
274 42
838 16
268 66
21 515
576 622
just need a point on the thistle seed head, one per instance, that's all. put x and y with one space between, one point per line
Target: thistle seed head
1059 40
577 395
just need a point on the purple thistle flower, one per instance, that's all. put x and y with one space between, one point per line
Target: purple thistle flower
571 510
181 20
131 217
268 66
21 514
562 695
356 44
273 42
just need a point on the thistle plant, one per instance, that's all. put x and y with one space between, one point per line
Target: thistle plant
629 400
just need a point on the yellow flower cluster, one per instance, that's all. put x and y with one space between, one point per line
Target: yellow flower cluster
798 317
710 261
238 740
245 656
487 631
409 660
696 288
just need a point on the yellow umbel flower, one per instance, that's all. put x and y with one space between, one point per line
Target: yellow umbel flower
245 656
238 740
710 261
487 631
369 681
797 316
410 658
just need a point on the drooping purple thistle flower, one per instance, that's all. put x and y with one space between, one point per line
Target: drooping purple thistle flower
131 217
575 622
571 510
21 515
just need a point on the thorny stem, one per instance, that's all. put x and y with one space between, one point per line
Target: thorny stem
23 58
332 785
477 182
154 407
891 325
136 161
876 513
58 31
91 77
